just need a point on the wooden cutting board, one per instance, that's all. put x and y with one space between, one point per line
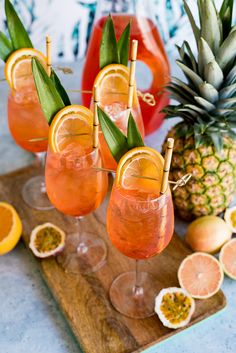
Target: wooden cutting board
84 298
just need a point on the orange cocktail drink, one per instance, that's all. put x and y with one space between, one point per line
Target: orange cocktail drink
75 183
140 224
113 86
27 123
26 120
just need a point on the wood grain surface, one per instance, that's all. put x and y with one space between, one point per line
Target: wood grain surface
84 298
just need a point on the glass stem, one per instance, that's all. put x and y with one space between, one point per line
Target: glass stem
138 289
82 247
41 158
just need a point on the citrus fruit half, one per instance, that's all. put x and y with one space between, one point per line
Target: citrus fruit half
228 258
46 240
230 218
201 275
10 228
72 126
18 71
174 307
140 169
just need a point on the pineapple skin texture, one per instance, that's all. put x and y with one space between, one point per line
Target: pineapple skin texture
213 183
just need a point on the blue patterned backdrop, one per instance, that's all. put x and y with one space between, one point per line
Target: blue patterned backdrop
69 23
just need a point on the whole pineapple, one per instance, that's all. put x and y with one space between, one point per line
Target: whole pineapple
205 141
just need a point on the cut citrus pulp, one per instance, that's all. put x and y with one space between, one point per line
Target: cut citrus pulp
10 228
140 169
71 127
18 71
228 258
174 307
112 83
201 275
47 240
230 218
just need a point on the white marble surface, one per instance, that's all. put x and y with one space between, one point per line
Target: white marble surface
30 320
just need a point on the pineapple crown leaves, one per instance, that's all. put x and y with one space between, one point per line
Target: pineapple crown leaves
117 142
207 101
51 93
19 37
112 51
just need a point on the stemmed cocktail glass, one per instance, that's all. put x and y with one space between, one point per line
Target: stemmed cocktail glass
76 185
118 97
29 127
140 224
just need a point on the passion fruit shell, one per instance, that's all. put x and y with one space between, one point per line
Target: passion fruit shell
174 307
47 240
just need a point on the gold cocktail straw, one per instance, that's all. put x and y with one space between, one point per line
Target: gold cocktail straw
95 117
49 55
133 58
167 162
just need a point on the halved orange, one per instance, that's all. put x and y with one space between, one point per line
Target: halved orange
10 228
113 83
140 169
228 258
201 275
18 71
71 127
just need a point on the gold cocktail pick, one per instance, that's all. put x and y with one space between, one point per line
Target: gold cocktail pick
133 58
95 117
49 54
167 163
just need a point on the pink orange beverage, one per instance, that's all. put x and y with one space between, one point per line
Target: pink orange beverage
140 225
26 120
73 184
150 51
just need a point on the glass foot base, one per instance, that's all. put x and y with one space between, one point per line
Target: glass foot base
34 194
137 305
85 256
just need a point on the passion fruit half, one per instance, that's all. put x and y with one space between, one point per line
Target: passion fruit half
47 240
174 307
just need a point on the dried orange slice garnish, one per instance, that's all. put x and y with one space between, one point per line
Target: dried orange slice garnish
18 71
71 127
113 83
140 169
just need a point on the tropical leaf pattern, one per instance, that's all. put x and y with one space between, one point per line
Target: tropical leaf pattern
69 23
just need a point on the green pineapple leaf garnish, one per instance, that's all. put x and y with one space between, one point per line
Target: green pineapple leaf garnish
57 83
123 46
134 138
49 97
18 34
117 142
5 47
108 47
111 51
